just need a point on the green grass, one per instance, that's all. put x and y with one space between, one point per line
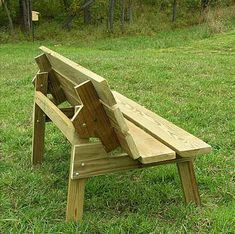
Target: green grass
184 76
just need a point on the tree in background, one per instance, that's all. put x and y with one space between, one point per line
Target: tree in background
25 12
87 12
4 3
125 13
75 9
111 15
174 10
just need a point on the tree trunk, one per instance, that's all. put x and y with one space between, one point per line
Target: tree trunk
174 11
25 7
111 15
68 21
129 11
122 14
87 12
4 3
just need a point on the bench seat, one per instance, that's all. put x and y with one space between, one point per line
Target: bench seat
130 136
182 142
150 149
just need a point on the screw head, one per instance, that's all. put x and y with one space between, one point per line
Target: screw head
77 174
84 125
82 164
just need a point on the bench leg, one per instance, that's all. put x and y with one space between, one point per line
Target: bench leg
38 135
41 83
189 183
75 201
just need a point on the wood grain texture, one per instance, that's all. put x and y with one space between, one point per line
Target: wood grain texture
53 84
68 87
184 143
58 118
150 149
189 183
93 118
39 117
119 124
75 199
92 160
68 111
79 74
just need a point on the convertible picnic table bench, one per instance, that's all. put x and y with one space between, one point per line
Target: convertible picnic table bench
108 132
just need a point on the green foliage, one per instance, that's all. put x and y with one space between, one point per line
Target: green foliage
56 10
184 75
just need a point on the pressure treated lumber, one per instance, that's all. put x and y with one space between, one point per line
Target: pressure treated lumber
68 111
188 181
79 74
150 149
70 75
122 131
140 137
57 117
53 84
92 160
39 120
67 85
92 117
184 143
75 199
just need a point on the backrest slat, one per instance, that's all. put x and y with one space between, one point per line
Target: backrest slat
70 75
68 87
79 74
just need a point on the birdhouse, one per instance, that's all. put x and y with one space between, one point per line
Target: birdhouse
35 15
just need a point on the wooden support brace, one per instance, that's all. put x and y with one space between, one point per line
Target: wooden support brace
91 119
68 111
91 159
189 183
53 84
58 118
39 117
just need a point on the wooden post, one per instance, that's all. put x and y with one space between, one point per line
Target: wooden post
39 120
189 183
75 201
76 192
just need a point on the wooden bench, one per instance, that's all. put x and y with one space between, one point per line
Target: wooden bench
108 132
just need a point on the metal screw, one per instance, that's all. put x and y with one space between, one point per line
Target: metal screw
84 125
38 121
77 174
41 85
82 164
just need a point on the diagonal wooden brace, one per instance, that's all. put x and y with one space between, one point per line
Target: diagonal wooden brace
90 120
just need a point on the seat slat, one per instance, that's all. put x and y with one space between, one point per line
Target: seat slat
119 124
184 143
150 149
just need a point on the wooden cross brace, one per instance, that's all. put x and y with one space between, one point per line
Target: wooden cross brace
90 120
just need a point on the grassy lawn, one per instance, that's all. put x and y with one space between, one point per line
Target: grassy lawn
184 76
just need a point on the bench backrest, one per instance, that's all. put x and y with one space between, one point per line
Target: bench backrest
66 75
